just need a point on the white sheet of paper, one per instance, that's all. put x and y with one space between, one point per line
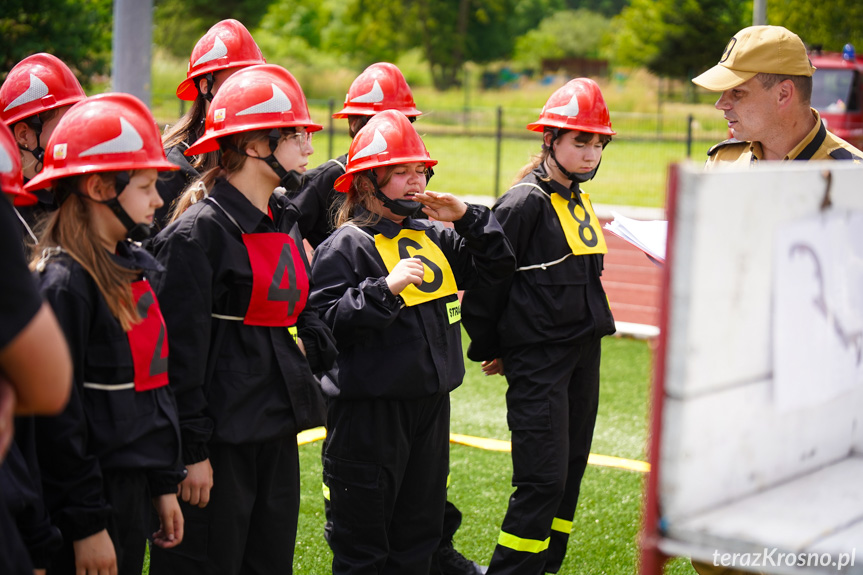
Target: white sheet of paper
648 236
818 309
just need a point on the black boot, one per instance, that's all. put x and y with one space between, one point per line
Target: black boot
448 561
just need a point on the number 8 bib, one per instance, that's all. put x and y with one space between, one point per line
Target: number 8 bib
280 285
580 225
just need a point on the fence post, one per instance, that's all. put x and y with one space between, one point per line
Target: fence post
331 134
499 140
689 121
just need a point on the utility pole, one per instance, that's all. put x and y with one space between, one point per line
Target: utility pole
132 47
759 12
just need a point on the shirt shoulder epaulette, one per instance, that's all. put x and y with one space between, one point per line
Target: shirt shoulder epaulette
728 142
843 154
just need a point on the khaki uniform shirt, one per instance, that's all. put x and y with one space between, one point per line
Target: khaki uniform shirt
819 144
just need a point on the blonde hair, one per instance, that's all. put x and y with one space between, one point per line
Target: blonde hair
362 193
231 161
69 228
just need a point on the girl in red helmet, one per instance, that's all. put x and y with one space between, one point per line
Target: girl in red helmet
542 329
386 282
115 450
33 98
244 343
381 86
226 48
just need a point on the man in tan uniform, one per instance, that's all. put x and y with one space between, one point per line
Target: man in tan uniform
765 77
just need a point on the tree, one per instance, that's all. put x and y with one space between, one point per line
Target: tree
179 24
563 34
76 31
830 24
677 38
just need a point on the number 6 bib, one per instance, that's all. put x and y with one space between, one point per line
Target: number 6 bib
438 280
280 285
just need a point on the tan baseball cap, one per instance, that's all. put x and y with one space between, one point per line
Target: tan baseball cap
767 49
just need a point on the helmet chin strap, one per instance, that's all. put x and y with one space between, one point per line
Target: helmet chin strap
571 176
291 180
134 231
35 123
406 208
210 78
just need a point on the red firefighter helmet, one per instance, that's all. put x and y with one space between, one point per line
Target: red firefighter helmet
381 86
226 45
388 139
11 179
255 98
36 84
577 105
104 133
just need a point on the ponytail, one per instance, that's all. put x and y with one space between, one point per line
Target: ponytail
231 161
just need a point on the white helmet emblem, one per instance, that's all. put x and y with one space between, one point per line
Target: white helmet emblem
277 103
129 140
5 161
36 90
219 50
378 145
376 94
570 109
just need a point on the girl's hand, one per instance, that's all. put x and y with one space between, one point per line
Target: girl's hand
94 555
195 488
442 207
493 367
407 271
170 533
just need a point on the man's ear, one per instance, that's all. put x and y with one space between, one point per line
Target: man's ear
96 187
25 137
785 92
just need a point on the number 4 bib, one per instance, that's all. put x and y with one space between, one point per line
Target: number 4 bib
280 285
438 279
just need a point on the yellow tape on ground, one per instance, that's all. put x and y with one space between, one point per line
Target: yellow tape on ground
311 435
594 459
318 433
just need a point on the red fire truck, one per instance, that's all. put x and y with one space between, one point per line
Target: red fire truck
837 92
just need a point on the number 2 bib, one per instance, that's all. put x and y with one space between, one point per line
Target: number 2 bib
580 225
148 340
280 285
438 279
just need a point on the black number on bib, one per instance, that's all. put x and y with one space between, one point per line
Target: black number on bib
158 364
583 225
292 293
437 279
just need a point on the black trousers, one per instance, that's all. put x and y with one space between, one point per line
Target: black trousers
551 400
128 523
250 524
386 465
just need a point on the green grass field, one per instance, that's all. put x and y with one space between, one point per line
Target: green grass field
605 530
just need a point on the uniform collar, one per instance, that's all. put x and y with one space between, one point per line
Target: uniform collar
131 256
810 138
239 207
389 228
561 190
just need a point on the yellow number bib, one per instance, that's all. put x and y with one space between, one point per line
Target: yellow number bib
580 225
438 280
